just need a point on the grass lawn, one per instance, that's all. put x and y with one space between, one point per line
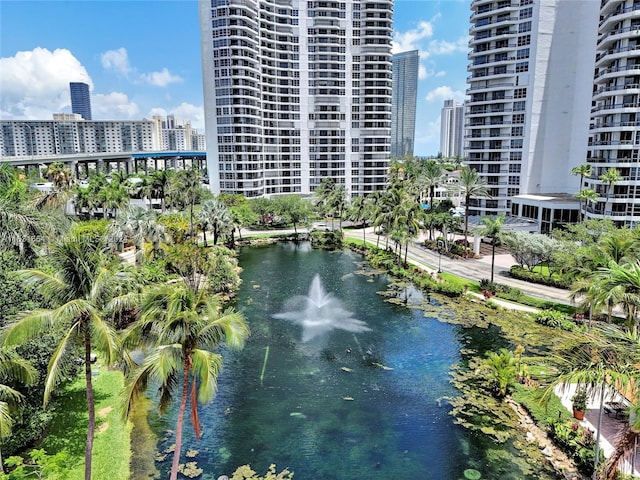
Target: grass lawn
68 430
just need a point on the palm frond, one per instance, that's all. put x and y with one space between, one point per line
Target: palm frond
55 370
50 286
104 338
206 367
28 325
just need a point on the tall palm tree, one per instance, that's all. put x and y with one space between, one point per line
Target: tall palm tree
582 171
358 212
139 225
625 280
470 185
159 185
185 189
610 178
492 227
180 328
84 288
12 368
589 196
430 178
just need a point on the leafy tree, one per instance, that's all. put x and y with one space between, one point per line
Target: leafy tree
85 287
530 249
39 466
242 215
180 329
293 209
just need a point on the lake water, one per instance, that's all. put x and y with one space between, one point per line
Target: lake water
338 404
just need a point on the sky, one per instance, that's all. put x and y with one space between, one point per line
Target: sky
142 58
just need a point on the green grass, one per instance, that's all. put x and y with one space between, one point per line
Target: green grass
542 412
68 430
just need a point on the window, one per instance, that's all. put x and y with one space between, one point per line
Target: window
524 40
520 93
518 118
522 53
526 13
524 27
518 106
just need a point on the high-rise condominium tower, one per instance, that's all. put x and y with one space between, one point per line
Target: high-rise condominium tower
404 97
614 142
80 99
296 92
531 71
452 129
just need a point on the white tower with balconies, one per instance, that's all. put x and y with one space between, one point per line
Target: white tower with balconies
527 117
615 131
296 92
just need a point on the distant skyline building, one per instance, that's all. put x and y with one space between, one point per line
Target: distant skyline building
403 105
65 135
530 85
452 129
295 93
80 99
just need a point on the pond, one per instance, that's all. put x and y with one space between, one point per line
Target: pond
336 383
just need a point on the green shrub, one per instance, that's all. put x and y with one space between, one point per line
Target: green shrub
331 240
556 280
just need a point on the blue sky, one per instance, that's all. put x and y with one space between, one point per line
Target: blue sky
142 58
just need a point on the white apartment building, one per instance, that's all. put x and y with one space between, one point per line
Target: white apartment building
296 92
67 135
452 129
615 117
529 86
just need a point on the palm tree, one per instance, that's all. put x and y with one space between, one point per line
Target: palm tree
583 171
84 288
430 178
12 368
502 369
215 216
470 185
625 281
358 212
180 328
611 177
185 189
492 228
159 185
589 196
139 225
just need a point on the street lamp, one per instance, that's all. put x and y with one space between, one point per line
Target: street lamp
440 244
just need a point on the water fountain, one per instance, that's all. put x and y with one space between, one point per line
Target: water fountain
319 312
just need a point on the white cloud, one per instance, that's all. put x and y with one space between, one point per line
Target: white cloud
118 61
114 106
443 47
160 79
411 40
422 72
35 84
444 93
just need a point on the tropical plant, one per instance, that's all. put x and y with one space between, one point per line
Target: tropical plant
470 185
492 227
179 328
582 171
501 368
579 400
85 288
216 217
610 178
12 368
588 196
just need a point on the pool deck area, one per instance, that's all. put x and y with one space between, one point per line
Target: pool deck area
612 423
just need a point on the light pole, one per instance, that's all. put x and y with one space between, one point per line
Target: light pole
440 244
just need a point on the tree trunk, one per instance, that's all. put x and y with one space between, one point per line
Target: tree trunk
180 421
204 236
598 433
90 404
364 235
625 443
493 259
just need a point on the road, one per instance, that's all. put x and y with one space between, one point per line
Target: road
473 269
